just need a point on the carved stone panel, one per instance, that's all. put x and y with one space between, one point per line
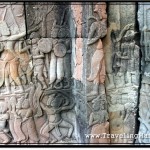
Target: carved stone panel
95 72
122 70
73 72
36 102
143 19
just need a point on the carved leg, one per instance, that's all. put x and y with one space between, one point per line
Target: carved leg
12 130
18 82
4 137
29 74
111 84
68 125
129 78
40 76
7 83
45 129
96 64
18 130
15 75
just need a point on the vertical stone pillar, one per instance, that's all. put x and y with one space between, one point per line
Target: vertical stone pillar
122 70
89 69
144 113
78 34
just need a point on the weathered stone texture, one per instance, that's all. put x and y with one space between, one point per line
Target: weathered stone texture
73 69
143 19
122 70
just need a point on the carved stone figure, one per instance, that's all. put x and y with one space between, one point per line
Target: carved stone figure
98 120
53 110
9 59
38 60
77 15
97 74
4 116
27 126
121 56
59 50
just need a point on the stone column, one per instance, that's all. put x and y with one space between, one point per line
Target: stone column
90 22
122 70
144 113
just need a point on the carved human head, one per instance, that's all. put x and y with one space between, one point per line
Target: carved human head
54 32
4 30
57 101
35 36
129 36
100 8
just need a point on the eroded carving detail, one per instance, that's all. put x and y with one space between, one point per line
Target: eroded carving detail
122 68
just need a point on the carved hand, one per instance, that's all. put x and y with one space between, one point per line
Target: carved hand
33 30
128 26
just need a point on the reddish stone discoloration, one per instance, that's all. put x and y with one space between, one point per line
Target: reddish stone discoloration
79 60
97 74
77 13
97 129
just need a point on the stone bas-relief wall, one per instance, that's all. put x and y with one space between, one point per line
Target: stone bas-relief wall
144 114
36 102
73 69
122 70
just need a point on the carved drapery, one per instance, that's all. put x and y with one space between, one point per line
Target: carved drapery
70 70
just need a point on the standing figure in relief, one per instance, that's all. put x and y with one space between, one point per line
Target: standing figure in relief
25 66
98 120
38 59
9 61
27 126
133 57
4 116
98 30
60 42
55 121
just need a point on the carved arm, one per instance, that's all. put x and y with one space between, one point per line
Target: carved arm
127 27
39 56
46 108
25 49
65 108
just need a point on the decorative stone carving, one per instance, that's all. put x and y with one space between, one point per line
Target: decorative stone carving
77 15
96 98
4 130
122 71
97 73
143 15
98 120
69 70
53 109
27 67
